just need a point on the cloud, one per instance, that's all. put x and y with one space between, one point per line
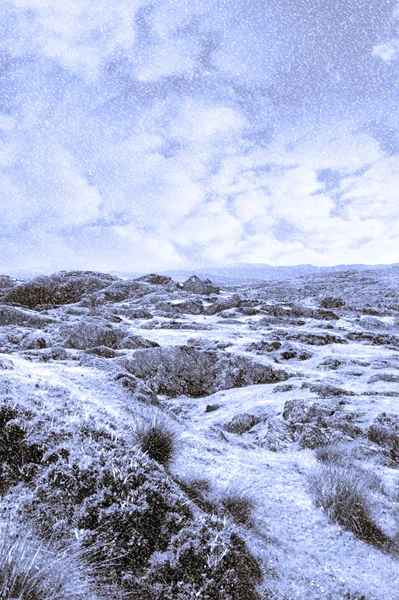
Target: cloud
139 135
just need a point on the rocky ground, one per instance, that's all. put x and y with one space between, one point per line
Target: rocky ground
281 395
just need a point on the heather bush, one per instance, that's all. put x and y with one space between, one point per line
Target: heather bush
130 515
19 453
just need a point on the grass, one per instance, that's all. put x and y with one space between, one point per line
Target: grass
239 505
32 570
344 493
157 439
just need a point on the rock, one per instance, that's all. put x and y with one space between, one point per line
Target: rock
241 423
330 302
190 307
119 291
377 339
133 341
223 304
263 347
35 341
371 322
94 331
313 436
384 430
155 279
138 313
6 364
60 288
102 351
283 387
289 351
58 353
211 407
389 377
195 285
193 372
330 363
316 339
138 388
325 315
272 434
307 411
10 315
325 390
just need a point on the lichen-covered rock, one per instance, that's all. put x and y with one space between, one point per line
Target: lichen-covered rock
94 331
193 372
10 315
384 430
60 288
313 436
307 411
272 434
190 307
223 304
156 279
388 377
331 302
241 423
35 341
138 313
195 285
133 341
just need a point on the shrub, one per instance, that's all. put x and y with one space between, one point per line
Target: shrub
18 453
32 570
207 561
239 506
334 453
130 515
197 490
344 495
158 440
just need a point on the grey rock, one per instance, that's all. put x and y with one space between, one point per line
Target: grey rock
195 285
272 434
241 423
186 370
10 315
60 288
94 331
384 430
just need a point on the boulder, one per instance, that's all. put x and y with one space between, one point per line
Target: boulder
241 423
313 436
156 279
223 304
94 331
35 341
272 434
138 313
308 411
384 430
10 315
330 302
193 372
190 307
195 285
133 341
388 377
121 290
60 288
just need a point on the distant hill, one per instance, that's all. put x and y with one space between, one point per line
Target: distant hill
243 273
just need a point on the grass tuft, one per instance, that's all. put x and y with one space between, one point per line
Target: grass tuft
344 494
158 440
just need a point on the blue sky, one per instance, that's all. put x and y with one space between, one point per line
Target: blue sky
141 135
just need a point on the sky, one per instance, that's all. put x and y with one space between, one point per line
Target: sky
144 135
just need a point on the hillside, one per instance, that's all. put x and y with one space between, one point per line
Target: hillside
273 473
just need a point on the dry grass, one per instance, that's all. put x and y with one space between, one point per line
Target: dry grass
32 570
344 493
157 439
